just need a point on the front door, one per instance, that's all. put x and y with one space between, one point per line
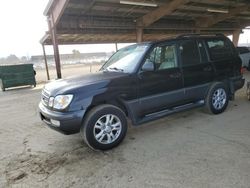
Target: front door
160 88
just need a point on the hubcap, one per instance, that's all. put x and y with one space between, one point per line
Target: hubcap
107 129
219 99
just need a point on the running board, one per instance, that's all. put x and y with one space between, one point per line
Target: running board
157 115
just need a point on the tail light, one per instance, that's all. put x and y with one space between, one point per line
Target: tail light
242 70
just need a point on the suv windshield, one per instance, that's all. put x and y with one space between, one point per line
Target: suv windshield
126 59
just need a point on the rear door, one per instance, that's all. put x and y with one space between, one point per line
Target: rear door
198 72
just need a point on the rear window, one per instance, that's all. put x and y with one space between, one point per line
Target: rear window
218 49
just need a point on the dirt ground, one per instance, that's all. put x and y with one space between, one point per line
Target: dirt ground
188 149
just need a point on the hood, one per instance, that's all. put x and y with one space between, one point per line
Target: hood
68 85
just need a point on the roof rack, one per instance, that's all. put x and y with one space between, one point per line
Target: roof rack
198 35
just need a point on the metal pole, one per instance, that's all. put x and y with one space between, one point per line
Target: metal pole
45 61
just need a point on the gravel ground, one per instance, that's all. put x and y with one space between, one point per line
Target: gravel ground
188 149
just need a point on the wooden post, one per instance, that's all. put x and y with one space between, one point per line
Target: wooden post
46 62
116 47
236 36
139 34
52 29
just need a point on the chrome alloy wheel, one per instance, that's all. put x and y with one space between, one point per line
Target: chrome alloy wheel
107 129
219 98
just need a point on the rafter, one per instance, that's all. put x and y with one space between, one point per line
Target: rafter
209 21
158 13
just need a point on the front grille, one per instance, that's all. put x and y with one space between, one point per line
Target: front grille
45 97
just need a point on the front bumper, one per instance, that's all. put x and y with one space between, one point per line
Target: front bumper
70 122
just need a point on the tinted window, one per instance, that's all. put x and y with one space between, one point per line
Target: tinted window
164 57
189 53
218 49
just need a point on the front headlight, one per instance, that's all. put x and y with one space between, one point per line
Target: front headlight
61 102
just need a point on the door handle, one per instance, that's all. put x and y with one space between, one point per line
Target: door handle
175 75
207 69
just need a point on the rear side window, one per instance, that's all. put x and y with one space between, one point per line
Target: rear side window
189 53
218 49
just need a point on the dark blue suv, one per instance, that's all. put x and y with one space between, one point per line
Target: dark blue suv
144 82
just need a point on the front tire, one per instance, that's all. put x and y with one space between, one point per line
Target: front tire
217 98
104 127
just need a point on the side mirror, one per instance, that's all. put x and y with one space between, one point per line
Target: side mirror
148 66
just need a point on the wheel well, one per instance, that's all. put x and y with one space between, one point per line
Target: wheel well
229 87
116 103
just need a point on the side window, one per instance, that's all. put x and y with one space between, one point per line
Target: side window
218 49
164 57
189 53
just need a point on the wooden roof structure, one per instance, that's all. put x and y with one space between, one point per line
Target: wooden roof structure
117 21
110 21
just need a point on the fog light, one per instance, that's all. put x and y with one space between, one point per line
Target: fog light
55 123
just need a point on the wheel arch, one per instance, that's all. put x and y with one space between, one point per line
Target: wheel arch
115 102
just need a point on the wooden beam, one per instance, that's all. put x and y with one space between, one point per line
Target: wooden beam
209 21
158 13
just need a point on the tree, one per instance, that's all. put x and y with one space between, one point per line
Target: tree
76 54
24 59
12 59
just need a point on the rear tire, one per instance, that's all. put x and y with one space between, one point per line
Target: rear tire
217 98
104 127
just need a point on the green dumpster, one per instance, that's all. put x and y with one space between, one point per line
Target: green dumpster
17 75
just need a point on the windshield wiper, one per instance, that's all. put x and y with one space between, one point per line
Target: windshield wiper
115 68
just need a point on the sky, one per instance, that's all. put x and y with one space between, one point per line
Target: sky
23 25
